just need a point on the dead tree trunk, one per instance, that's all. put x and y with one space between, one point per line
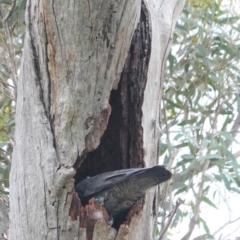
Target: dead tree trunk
88 102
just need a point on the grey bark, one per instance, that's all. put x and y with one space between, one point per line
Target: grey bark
73 57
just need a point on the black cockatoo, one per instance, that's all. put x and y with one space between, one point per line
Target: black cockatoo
120 190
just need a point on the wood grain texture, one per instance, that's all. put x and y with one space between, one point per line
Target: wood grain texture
74 55
74 52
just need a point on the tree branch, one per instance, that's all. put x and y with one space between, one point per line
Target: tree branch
235 126
226 224
194 219
6 84
10 12
169 220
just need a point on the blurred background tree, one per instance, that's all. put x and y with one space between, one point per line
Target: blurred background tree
200 115
201 119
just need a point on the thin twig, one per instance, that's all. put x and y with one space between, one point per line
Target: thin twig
4 83
235 126
230 234
4 155
7 95
9 41
169 220
226 224
194 219
198 197
10 12
162 195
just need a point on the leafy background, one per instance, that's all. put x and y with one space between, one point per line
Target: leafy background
200 115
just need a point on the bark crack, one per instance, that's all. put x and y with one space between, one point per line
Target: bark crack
36 64
38 75
121 145
51 118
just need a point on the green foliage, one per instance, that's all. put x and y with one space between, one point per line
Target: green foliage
202 105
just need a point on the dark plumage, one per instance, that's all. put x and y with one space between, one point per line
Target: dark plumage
119 190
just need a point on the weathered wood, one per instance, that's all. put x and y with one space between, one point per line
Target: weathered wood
74 55
162 17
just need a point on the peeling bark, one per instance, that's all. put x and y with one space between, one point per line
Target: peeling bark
88 102
90 214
